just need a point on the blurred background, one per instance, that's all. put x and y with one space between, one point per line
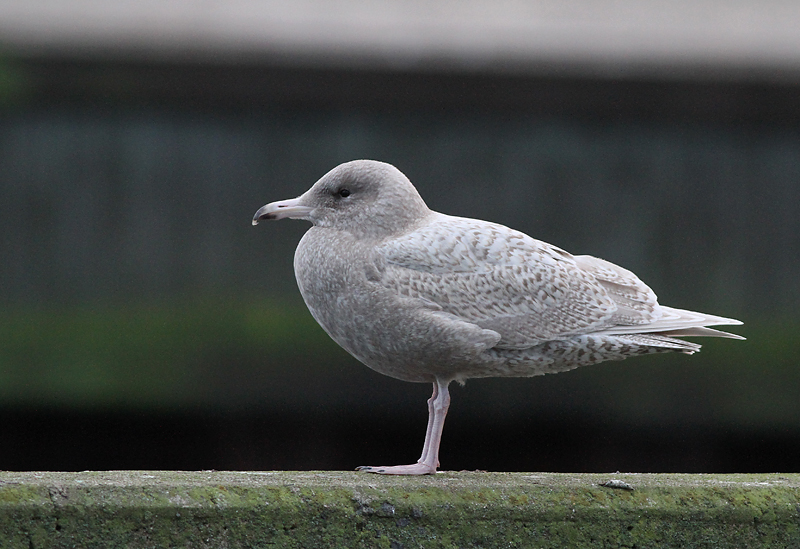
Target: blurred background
144 324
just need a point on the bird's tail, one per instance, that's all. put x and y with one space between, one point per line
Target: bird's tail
679 323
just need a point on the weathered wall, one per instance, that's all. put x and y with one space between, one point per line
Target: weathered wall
335 509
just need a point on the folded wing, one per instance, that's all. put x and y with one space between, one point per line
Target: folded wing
526 290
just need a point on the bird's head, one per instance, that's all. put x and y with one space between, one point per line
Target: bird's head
365 197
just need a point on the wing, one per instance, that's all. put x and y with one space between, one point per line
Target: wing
503 280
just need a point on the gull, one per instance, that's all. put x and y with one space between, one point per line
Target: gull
426 297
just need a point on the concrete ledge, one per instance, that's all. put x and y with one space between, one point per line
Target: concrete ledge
341 509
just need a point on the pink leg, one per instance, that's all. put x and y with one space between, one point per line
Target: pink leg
431 414
429 461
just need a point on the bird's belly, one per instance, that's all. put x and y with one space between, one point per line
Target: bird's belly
393 335
379 336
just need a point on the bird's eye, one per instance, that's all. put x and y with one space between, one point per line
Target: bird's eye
344 193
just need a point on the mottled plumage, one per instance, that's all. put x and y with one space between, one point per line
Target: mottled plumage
427 297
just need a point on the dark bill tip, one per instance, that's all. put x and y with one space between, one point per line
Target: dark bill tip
262 217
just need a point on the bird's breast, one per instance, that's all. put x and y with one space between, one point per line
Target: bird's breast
340 281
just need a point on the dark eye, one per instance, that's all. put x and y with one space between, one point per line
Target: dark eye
344 193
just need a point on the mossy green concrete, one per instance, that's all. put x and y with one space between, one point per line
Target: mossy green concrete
341 509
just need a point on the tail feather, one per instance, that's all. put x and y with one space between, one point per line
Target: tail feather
680 323
660 343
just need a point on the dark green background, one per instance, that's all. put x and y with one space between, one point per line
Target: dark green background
146 324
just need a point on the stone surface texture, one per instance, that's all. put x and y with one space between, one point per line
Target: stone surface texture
347 509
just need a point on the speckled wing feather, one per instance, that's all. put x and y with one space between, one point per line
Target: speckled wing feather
503 280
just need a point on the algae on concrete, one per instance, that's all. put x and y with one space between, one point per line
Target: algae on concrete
450 509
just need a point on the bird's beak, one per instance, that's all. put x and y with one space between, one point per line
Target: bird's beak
282 209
